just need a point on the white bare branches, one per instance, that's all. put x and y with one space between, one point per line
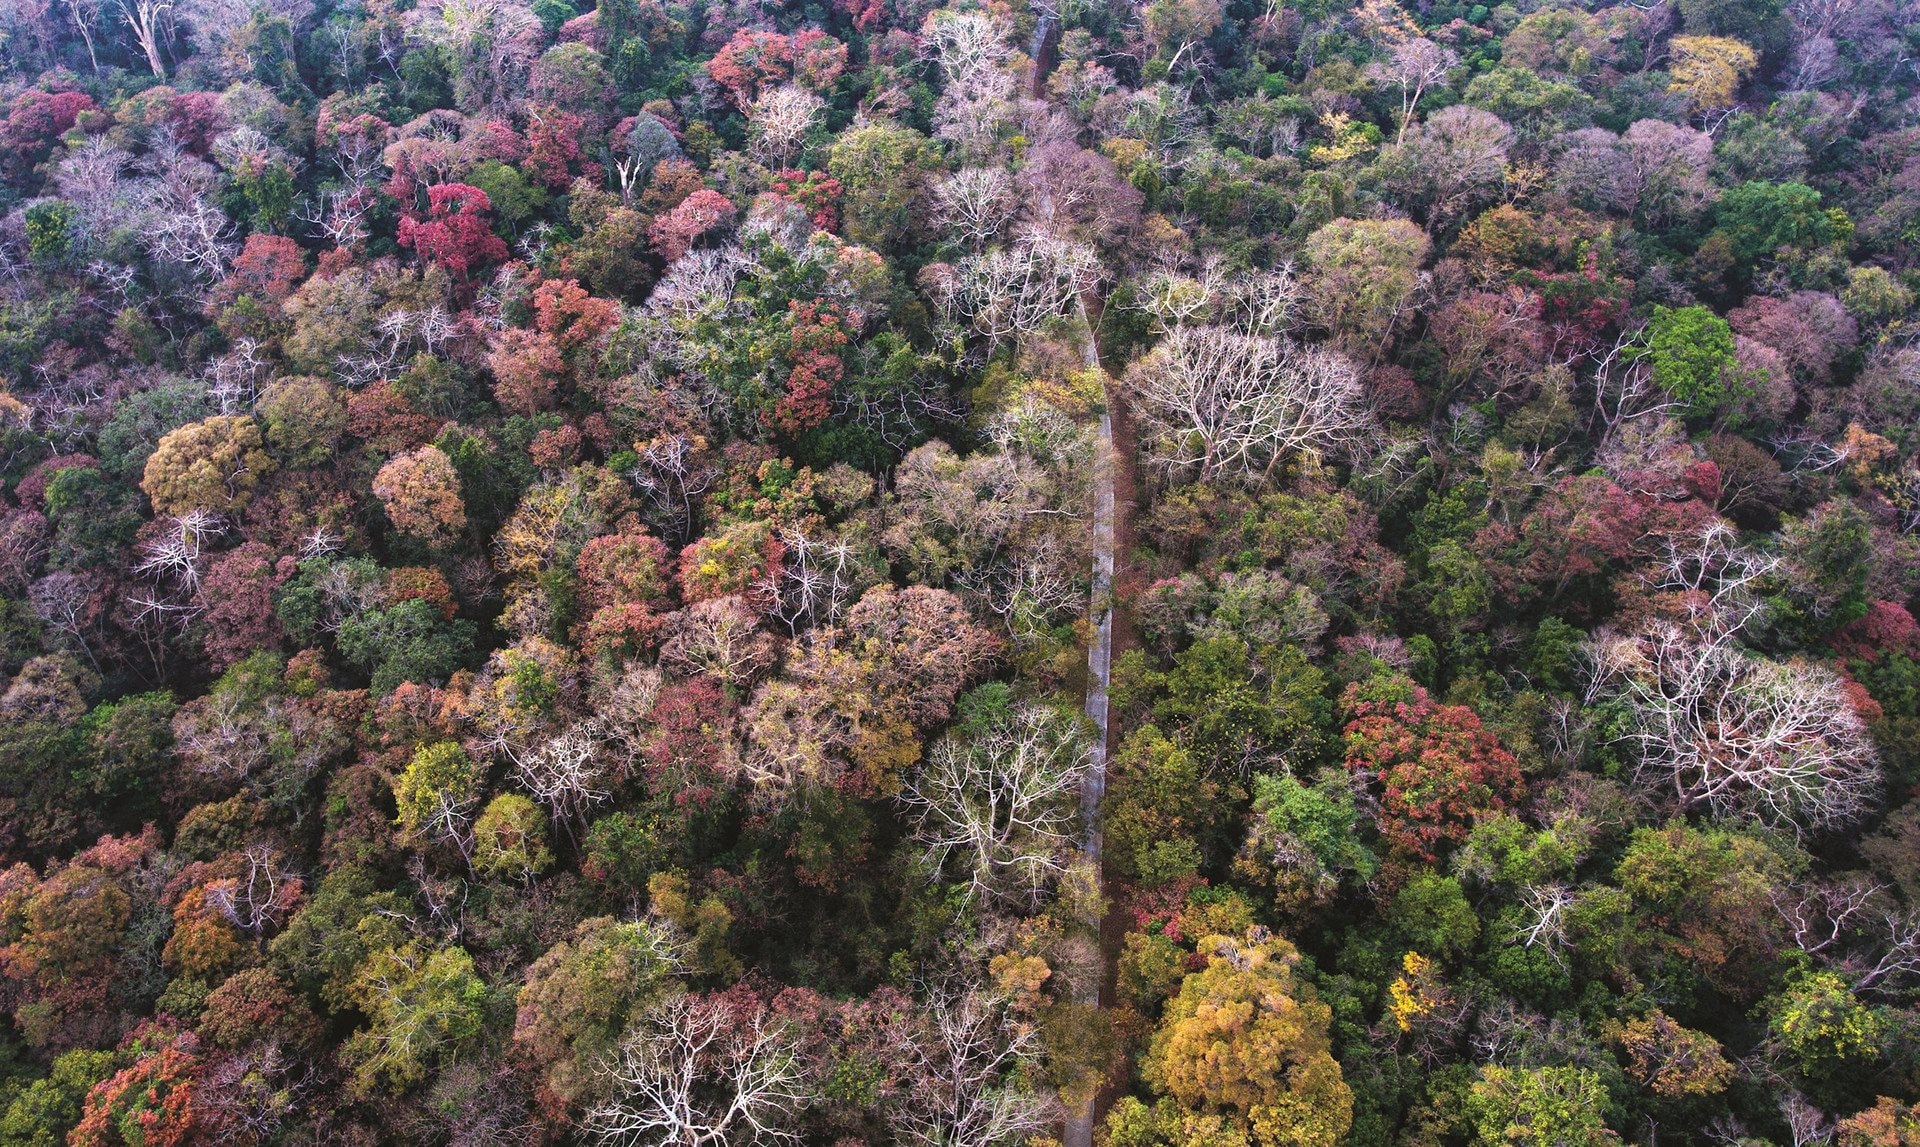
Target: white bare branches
563 774
1218 402
967 1063
820 576
261 898
1005 802
695 1072
778 123
1017 290
175 555
189 230
151 22
1414 65
1856 926
1259 302
1721 728
977 90
975 204
1738 735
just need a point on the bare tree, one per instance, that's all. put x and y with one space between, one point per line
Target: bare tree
1414 65
62 601
778 122
975 204
152 24
719 638
819 577
86 17
976 95
1807 1125
564 774
696 1072
1004 802
963 1058
1722 728
260 899
1217 402
1015 291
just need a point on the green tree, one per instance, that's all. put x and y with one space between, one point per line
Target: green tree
423 1005
1757 219
1825 1029
1691 353
1539 1107
881 168
437 791
510 839
585 992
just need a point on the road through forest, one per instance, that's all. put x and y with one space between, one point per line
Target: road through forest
1104 541
1106 530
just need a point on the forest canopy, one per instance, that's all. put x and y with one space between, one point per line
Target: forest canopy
1176 573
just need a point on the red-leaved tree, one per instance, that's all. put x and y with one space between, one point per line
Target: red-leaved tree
455 234
1433 766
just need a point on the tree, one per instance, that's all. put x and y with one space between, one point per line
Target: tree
1412 65
1824 1028
1361 275
437 792
703 1071
1246 1037
1005 799
1539 1107
1691 351
304 418
1436 768
1757 219
1450 165
208 465
674 233
1305 840
1220 403
881 168
583 993
421 493
1708 69
455 234
1673 1061
510 839
423 1005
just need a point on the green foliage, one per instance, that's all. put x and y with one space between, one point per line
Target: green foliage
50 231
423 1005
40 1113
405 642
1691 353
1757 219
1539 1107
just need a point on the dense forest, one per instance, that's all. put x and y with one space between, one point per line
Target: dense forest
554 573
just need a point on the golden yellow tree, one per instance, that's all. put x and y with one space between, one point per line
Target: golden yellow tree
1246 1039
1709 69
213 464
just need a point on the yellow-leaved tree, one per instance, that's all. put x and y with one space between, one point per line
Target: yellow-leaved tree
1245 1041
1709 69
